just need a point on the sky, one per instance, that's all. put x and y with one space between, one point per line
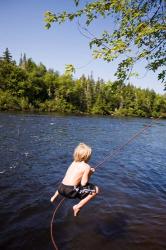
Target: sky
22 31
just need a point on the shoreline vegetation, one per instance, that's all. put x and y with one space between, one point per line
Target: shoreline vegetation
31 87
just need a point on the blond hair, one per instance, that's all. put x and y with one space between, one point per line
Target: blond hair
82 152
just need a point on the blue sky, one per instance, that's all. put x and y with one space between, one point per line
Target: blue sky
22 30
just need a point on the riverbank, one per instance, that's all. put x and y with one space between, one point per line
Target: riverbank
119 114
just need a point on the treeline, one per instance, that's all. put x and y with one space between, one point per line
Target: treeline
29 87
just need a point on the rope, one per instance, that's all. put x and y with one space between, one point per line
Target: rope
108 157
52 220
116 150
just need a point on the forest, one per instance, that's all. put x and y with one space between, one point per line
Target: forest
27 86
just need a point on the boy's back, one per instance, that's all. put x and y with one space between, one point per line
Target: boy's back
75 173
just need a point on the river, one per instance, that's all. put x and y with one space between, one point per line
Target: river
129 213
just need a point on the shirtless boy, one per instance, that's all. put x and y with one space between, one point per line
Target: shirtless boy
76 184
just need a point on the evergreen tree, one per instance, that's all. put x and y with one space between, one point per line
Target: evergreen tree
21 60
7 56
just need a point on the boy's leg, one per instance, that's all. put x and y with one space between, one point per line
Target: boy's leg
84 201
54 196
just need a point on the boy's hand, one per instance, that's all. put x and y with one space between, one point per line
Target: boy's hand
92 170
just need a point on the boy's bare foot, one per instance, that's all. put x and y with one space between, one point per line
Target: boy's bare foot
52 199
76 210
54 196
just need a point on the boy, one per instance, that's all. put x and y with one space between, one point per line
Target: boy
75 183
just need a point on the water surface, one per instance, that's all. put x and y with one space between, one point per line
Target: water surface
130 211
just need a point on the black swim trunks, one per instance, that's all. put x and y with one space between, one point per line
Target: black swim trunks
73 192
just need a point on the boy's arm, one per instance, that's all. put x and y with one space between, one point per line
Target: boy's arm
54 196
85 176
92 170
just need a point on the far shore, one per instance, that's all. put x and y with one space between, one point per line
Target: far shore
38 112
